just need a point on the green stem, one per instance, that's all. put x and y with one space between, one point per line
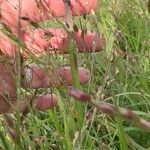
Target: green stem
121 134
73 63
77 107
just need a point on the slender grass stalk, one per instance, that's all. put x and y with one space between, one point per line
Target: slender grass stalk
67 138
120 129
18 78
73 64
121 134
67 135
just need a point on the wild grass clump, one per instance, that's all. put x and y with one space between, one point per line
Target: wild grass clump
111 111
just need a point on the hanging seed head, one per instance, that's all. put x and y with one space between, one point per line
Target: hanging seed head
128 114
107 109
79 95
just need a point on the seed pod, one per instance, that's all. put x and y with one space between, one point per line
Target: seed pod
79 95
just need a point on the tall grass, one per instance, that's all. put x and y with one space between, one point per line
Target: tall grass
120 75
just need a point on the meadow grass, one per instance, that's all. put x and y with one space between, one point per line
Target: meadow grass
120 75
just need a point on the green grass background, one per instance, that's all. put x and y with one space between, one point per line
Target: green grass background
120 74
